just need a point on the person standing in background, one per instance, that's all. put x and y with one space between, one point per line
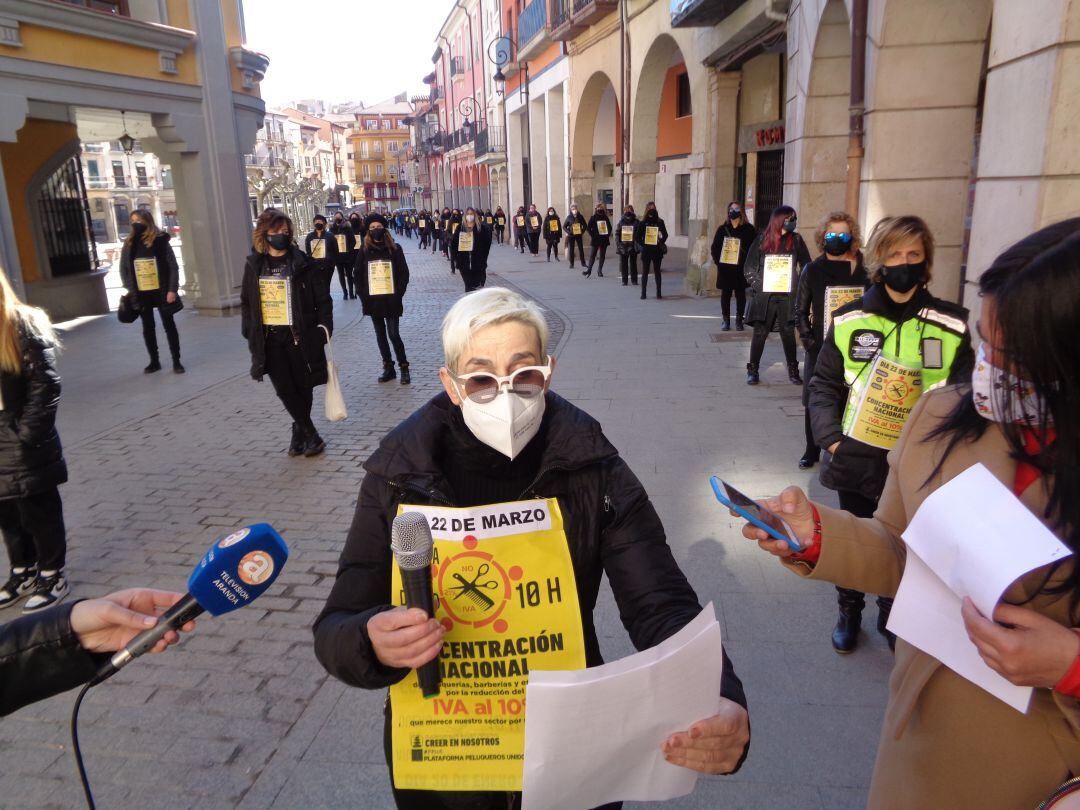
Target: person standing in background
149 272
471 246
552 233
521 230
575 227
346 244
534 224
382 276
624 246
500 224
600 233
650 239
730 245
321 248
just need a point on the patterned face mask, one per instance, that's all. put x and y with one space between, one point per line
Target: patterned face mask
1000 395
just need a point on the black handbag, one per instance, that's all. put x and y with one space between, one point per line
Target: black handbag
174 307
128 311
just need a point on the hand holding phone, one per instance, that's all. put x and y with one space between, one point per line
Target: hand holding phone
762 519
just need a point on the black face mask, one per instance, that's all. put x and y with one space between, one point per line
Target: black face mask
138 228
355 224
734 214
789 225
319 226
278 241
377 234
838 244
651 215
339 222
904 277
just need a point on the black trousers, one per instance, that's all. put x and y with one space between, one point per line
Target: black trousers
573 242
499 234
149 331
777 314
628 261
860 506
288 370
726 291
648 262
534 243
33 529
520 241
345 276
597 249
423 239
388 328
808 372
434 243
552 245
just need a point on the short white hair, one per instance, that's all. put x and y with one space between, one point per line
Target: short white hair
487 307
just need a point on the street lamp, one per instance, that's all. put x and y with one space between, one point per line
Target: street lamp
127 143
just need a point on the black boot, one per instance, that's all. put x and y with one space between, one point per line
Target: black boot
406 378
296 446
811 457
793 373
177 366
314 444
388 372
884 608
752 377
155 365
845 635
727 325
739 323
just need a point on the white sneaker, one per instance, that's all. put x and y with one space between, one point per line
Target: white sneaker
20 584
49 588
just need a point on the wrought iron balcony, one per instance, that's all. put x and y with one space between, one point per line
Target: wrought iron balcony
490 141
700 13
457 66
561 25
532 30
588 12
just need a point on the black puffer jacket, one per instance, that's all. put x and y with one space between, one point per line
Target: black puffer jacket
611 528
382 306
311 306
40 657
31 458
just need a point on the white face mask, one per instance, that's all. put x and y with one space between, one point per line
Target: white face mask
507 423
999 394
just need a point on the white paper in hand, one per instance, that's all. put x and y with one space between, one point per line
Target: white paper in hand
971 538
594 736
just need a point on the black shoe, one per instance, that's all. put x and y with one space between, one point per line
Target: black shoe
314 445
739 324
586 273
388 373
809 459
178 367
296 446
624 284
49 588
884 606
845 635
154 366
406 378
20 584
793 373
727 325
599 273
752 377
643 296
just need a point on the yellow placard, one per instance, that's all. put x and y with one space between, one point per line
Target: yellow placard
534 221
575 229
275 296
836 297
520 221
341 248
488 220
502 221
422 223
652 234
601 227
146 275
380 275
626 233
318 248
553 226
776 277
465 242
891 391
505 590
454 227
729 253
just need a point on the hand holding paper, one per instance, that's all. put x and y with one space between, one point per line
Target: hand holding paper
714 745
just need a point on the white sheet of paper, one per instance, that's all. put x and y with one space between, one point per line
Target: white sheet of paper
972 537
588 741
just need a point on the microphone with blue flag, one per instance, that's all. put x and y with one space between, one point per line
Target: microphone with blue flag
236 570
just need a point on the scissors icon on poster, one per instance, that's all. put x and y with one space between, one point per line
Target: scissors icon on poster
472 589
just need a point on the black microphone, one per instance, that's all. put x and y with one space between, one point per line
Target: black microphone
411 542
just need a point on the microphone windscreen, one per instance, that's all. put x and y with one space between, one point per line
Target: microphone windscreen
411 541
238 568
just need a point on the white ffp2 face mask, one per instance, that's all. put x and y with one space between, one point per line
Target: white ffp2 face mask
507 423
1000 395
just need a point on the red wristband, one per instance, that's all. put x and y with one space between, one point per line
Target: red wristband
811 554
1070 682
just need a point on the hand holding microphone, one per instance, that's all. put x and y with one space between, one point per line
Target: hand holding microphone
109 623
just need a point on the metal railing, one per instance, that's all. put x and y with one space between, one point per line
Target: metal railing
490 140
560 13
457 65
532 21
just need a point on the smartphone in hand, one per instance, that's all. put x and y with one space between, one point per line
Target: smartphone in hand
757 514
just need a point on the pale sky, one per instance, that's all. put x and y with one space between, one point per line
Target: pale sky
349 50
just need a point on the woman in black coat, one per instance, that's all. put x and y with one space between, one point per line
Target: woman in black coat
624 245
149 272
31 459
286 316
499 227
770 307
382 275
472 259
453 225
730 245
552 233
599 228
650 240
534 224
575 227
521 230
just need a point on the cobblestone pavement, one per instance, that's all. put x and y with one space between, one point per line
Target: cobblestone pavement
241 714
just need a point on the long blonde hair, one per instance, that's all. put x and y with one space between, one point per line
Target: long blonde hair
15 316
151 232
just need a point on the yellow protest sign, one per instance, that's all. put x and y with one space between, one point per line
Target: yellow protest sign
488 220
601 227
652 235
502 221
553 226
505 590
729 252
520 221
275 296
422 223
626 233
380 274
146 275
341 243
575 229
534 221
891 391
465 242
776 277
318 248
836 297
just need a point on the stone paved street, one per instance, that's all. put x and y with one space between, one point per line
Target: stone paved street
242 715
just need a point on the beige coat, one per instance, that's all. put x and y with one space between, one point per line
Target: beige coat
945 742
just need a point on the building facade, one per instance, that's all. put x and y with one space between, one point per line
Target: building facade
119 182
174 75
377 137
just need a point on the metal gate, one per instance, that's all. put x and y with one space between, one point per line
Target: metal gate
770 184
65 221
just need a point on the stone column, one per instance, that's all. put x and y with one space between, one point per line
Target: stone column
642 177
555 115
13 112
538 152
582 190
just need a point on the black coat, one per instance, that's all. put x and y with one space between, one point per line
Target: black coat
822 273
568 225
754 270
552 235
40 657
499 226
730 273
168 271
611 528
475 260
650 251
31 458
346 258
529 227
594 231
622 247
382 306
330 261
311 306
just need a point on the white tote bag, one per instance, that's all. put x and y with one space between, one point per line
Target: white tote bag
335 401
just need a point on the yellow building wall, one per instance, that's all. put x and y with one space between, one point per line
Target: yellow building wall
179 13
38 142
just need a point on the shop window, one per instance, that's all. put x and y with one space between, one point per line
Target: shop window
682 96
